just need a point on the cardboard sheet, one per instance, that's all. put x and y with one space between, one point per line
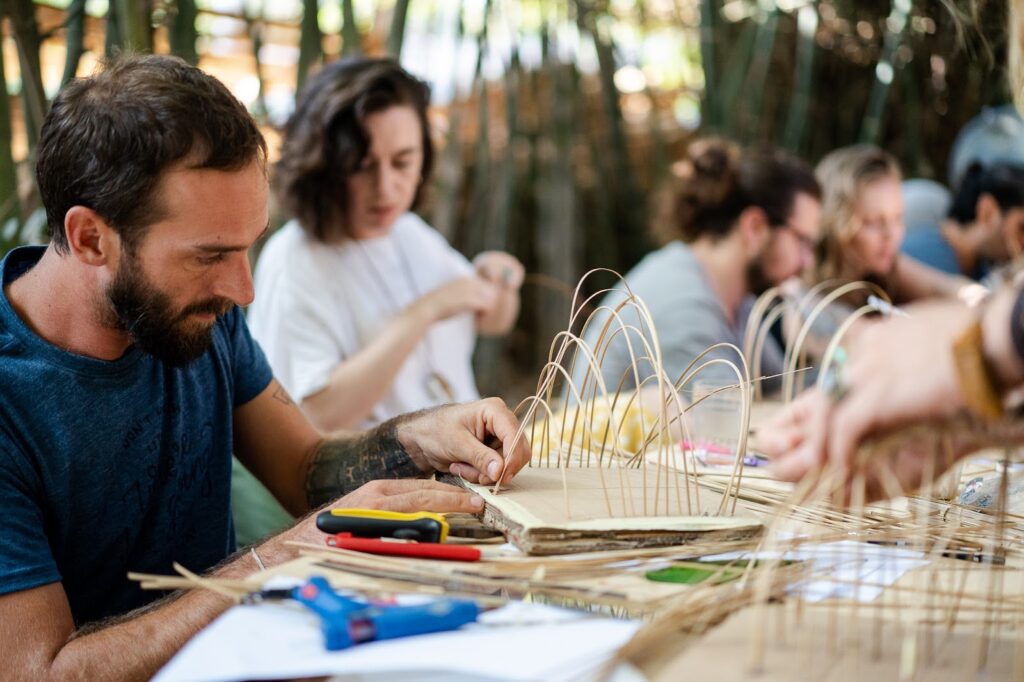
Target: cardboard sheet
546 510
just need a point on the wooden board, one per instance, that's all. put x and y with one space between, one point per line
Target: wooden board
832 648
547 511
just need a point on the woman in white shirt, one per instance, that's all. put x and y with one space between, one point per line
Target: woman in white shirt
357 291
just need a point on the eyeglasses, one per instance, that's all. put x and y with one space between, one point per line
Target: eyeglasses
806 242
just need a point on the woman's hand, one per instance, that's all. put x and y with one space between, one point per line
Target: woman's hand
500 268
505 273
471 294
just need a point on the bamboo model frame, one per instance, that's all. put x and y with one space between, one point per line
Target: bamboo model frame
605 470
953 619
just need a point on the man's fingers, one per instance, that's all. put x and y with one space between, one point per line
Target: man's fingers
504 426
464 471
409 485
430 499
485 462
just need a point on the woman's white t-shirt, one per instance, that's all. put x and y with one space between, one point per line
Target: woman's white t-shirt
317 304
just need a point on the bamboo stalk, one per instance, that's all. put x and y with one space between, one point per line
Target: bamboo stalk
885 71
396 35
74 40
134 24
182 31
807 28
33 96
310 42
10 204
351 43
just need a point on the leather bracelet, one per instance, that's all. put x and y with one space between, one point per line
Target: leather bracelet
1017 324
977 384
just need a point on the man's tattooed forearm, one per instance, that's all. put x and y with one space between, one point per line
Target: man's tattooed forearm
281 396
340 465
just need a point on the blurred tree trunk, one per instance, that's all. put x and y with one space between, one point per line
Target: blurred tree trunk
33 96
614 161
75 41
135 29
757 74
112 34
450 167
10 205
708 20
803 80
350 43
182 31
558 248
397 34
310 45
470 242
731 77
254 26
885 71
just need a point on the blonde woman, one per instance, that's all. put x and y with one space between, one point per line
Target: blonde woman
862 229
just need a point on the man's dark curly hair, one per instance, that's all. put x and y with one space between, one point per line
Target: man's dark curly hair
325 140
108 139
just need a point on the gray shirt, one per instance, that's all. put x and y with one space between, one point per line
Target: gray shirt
687 315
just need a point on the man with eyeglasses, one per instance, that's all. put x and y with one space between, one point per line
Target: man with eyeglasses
738 222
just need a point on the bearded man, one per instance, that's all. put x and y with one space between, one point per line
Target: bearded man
128 378
737 222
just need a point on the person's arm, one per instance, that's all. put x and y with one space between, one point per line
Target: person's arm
303 469
364 379
917 281
899 372
38 639
506 273
272 437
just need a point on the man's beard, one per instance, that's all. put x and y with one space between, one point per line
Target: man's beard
757 279
147 314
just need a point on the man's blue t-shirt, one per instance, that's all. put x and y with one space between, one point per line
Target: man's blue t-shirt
110 467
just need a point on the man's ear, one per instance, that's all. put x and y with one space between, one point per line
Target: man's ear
987 211
754 229
90 238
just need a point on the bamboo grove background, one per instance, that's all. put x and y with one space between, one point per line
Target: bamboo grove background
557 120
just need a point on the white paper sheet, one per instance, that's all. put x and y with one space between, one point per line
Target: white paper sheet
845 569
273 641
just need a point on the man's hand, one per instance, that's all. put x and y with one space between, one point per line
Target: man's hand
411 495
399 495
473 441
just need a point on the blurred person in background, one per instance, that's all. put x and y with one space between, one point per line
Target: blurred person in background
358 291
863 228
738 222
944 361
984 228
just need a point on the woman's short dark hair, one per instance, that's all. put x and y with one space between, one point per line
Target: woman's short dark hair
108 138
1003 181
717 180
325 140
